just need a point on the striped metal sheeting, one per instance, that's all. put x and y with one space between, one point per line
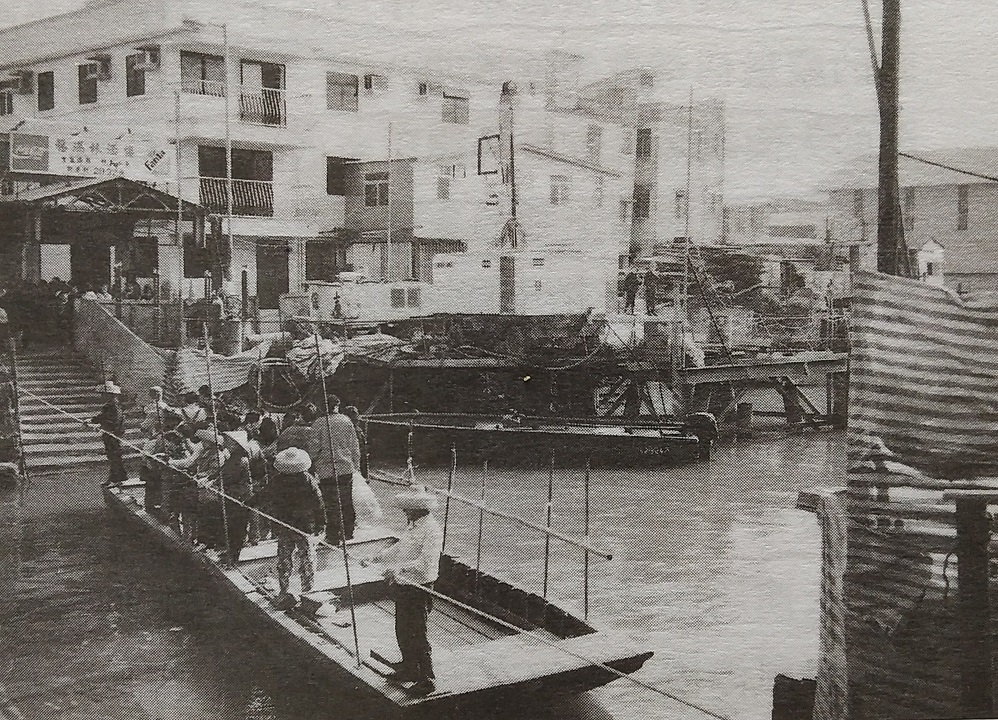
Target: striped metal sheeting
923 378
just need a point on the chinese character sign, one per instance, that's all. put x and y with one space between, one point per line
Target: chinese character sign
90 156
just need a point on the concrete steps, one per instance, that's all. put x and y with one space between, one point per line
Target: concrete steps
54 384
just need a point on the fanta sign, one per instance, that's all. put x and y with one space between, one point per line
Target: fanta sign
29 153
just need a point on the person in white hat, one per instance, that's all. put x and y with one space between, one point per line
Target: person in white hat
414 564
292 498
110 420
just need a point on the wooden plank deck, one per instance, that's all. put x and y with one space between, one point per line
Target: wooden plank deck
471 653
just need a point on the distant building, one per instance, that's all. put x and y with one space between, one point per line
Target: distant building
950 218
674 155
777 219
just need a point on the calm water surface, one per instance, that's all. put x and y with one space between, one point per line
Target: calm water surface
712 568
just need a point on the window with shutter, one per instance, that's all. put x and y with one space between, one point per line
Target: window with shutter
46 90
135 78
341 92
456 107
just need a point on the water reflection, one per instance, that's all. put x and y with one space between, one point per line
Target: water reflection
712 568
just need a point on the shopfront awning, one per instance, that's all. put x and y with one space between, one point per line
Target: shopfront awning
117 195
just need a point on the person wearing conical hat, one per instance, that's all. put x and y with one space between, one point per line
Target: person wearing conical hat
292 498
111 422
413 565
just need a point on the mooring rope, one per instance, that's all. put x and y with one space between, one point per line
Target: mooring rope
469 608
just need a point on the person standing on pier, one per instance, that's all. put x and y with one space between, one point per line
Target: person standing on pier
111 422
336 454
413 565
631 283
651 290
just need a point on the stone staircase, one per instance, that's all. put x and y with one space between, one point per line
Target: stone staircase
51 439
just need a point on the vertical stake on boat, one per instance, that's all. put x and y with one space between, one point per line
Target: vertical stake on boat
259 378
481 522
585 534
17 408
339 500
450 488
547 524
218 451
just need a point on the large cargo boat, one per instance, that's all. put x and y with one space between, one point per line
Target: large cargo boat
522 439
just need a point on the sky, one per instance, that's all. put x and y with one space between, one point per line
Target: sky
795 75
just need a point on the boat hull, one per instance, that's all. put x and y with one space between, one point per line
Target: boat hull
531 441
331 662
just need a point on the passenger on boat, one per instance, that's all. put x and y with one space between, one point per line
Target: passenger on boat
159 415
413 567
297 429
192 415
207 402
251 423
201 461
267 436
237 481
291 498
179 490
354 414
150 472
333 446
111 422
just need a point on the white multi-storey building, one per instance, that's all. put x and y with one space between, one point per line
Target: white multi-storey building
158 90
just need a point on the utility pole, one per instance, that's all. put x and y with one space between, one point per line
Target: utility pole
892 257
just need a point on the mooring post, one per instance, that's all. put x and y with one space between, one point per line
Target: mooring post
547 524
450 489
481 523
972 537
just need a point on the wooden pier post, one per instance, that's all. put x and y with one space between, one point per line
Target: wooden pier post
547 524
972 536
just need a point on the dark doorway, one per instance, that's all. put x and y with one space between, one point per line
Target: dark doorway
271 271
91 264
507 285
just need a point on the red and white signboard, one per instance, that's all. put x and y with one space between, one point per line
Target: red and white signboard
90 156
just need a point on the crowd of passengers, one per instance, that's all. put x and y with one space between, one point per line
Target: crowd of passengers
200 446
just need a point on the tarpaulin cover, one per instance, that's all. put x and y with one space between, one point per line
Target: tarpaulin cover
923 380
228 372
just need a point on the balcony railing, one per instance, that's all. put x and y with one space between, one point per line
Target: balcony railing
249 197
196 86
259 106
263 106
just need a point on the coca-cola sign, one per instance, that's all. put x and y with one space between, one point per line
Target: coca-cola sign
29 153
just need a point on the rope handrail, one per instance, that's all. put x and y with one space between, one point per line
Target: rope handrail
579 543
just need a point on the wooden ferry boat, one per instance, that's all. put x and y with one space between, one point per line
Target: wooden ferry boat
479 658
525 440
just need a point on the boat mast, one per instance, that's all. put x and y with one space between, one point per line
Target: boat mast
684 300
387 274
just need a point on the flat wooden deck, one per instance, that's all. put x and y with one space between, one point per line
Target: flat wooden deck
471 653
